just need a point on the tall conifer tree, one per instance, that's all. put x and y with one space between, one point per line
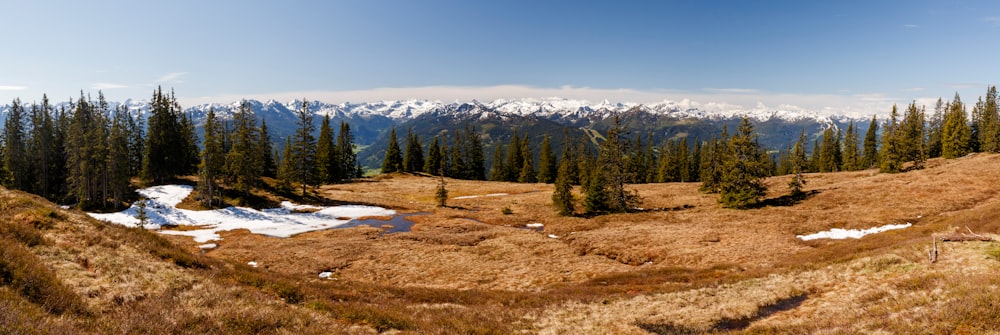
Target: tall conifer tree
393 161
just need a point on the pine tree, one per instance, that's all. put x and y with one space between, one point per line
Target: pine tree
413 160
851 157
117 159
244 162
189 146
212 160
497 170
562 197
266 152
829 154
797 159
911 136
441 195
304 148
742 183
433 163
515 159
869 157
955 135
547 166
891 153
712 164
164 156
326 153
45 155
287 167
474 155
695 164
393 161
934 128
606 192
527 173
15 164
349 167
990 122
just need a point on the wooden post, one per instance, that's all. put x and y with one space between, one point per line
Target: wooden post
933 254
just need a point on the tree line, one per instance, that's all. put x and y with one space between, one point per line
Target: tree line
91 154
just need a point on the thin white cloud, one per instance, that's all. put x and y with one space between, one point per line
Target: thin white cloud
732 90
993 20
855 105
12 88
912 89
911 26
106 86
172 78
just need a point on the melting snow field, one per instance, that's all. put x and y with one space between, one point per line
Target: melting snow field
161 209
840 234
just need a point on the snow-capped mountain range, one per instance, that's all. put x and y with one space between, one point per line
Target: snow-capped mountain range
403 110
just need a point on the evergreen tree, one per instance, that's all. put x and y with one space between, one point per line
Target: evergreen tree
742 183
830 154
712 164
955 135
117 159
433 163
869 157
474 154
695 164
244 161
45 154
515 158
304 148
326 154
413 160
934 128
441 195
990 122
547 166
851 158
562 197
212 160
266 151
797 160
164 155
911 136
286 170
891 153
569 154
393 161
497 170
189 145
15 163
606 191
527 173
349 167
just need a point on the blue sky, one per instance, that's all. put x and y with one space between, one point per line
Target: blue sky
828 56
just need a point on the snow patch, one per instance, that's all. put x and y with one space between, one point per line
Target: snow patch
840 234
535 225
208 246
325 274
553 236
252 264
161 210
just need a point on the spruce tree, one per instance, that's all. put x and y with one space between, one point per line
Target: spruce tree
164 156
869 158
527 173
393 161
304 148
934 127
547 166
990 123
515 158
212 160
742 183
413 160
474 153
15 164
891 149
349 167
286 169
441 195
326 153
851 157
797 160
911 136
562 197
244 162
605 192
497 170
266 151
433 163
117 159
955 135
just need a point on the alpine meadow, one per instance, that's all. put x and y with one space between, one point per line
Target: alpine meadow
515 167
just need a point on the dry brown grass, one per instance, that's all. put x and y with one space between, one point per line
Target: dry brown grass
469 268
